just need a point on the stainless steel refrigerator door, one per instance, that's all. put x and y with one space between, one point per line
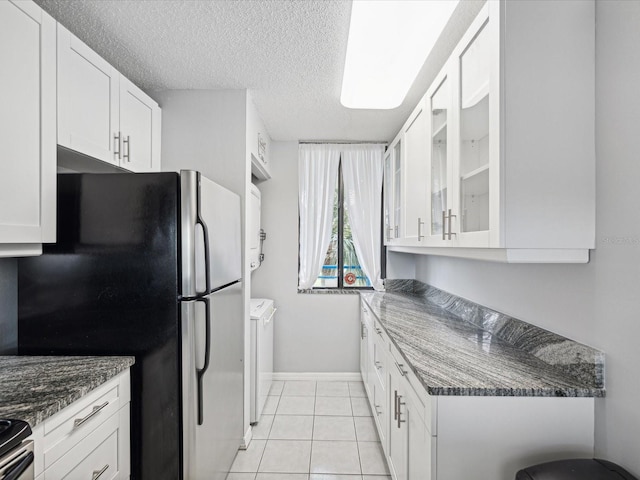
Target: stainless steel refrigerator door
211 235
212 377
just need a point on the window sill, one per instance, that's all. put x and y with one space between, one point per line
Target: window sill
333 291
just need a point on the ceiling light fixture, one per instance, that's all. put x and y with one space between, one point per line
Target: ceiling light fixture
389 41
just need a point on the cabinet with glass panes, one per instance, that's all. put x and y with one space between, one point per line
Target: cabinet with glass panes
511 158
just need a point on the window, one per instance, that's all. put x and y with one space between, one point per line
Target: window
341 250
340 207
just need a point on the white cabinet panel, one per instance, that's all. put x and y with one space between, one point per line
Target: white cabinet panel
88 96
101 113
414 205
140 129
27 127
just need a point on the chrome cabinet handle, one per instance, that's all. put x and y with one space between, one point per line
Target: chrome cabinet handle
450 216
420 223
444 223
395 405
378 331
98 473
117 150
378 412
389 232
79 421
396 231
363 330
400 403
127 142
378 364
399 366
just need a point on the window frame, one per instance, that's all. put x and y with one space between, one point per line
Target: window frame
340 259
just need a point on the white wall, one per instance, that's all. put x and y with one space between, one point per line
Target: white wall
313 333
595 303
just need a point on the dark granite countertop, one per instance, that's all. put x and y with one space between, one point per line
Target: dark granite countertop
452 355
35 388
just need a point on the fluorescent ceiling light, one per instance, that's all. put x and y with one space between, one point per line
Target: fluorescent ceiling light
389 41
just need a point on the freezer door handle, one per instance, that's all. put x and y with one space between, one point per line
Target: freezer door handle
207 355
207 253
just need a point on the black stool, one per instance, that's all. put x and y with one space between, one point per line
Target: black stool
576 469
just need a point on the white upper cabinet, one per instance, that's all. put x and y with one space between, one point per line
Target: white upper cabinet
101 113
140 129
258 143
510 154
27 128
88 91
414 205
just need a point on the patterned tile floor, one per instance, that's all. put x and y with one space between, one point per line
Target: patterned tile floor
313 431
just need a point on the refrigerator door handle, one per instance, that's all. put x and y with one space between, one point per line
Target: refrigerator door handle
207 355
207 253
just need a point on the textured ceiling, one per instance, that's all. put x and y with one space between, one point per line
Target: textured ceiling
288 53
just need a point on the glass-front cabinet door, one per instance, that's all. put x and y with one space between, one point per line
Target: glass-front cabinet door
439 107
397 190
387 206
477 157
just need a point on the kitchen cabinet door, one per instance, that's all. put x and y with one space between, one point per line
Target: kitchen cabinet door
88 100
414 171
397 455
27 128
476 169
140 129
388 197
439 107
364 348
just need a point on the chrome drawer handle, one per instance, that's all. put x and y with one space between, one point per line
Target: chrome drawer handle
399 403
378 364
98 473
378 331
79 421
399 366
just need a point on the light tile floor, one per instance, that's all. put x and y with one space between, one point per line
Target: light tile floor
313 431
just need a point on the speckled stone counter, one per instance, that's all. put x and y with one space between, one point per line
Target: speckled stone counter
456 347
35 388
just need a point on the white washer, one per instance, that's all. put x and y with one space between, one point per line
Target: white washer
262 316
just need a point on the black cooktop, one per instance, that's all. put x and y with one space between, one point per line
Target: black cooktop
12 432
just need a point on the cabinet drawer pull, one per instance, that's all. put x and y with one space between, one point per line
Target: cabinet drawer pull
363 330
389 232
399 366
378 331
98 473
420 223
378 412
79 421
378 364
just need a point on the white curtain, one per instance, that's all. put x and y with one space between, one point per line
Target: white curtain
317 179
362 169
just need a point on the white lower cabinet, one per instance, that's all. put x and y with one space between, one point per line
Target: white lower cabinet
433 437
89 439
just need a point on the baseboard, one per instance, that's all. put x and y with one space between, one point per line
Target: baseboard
247 438
318 376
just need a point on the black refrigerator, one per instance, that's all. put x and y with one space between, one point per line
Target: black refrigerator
149 265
